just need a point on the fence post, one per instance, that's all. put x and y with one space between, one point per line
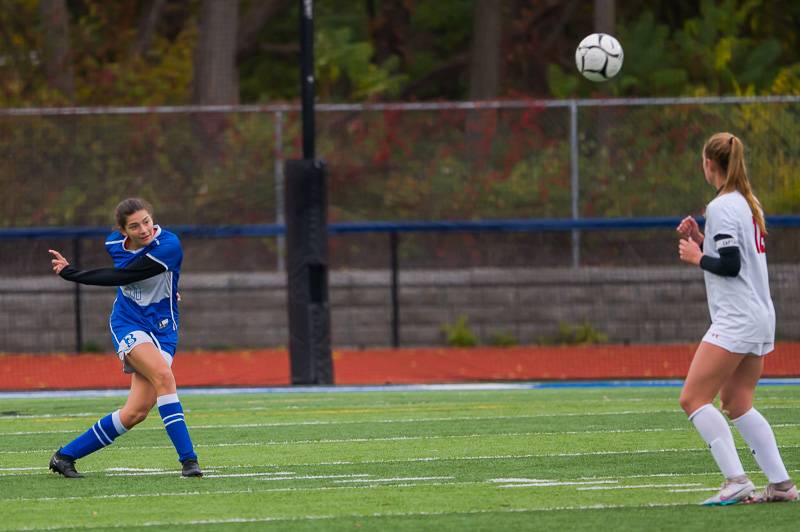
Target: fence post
393 244
574 180
280 217
76 262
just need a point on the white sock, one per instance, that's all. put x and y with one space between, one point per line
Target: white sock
711 425
758 434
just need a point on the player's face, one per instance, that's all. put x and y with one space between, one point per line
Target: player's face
139 229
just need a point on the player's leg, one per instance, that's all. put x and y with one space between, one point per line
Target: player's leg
141 400
152 364
711 367
737 402
105 431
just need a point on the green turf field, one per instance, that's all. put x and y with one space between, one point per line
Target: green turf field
552 459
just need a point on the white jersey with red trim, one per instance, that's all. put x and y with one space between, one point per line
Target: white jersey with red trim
741 307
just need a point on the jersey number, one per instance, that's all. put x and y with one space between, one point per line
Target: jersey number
761 244
133 292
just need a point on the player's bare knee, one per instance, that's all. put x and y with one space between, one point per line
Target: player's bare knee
735 409
163 381
726 406
688 403
132 416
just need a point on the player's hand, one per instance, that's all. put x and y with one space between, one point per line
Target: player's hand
689 251
688 228
58 261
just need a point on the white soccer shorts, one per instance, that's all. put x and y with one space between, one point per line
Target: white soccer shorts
737 346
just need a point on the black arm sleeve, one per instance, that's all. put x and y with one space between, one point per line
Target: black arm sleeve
140 269
727 265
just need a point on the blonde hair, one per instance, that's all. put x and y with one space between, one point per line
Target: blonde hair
727 151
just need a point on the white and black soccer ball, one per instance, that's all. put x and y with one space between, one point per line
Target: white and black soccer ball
599 57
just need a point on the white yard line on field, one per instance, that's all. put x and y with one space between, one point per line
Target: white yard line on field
205 474
135 469
544 482
246 491
31 471
550 484
387 439
387 421
270 519
639 486
360 421
312 423
304 477
433 458
394 479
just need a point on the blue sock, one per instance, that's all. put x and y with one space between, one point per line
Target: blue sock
169 406
101 434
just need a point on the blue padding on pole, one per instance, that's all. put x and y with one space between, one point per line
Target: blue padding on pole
262 230
216 231
536 224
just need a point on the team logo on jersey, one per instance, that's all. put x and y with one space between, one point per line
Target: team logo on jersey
129 340
163 323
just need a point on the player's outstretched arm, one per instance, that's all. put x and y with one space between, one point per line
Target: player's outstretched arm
140 269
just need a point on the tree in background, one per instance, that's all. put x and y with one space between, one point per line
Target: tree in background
484 64
216 78
150 52
57 56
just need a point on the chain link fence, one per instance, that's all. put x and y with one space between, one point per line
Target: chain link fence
435 161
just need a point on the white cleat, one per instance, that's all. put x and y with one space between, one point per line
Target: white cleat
734 490
777 493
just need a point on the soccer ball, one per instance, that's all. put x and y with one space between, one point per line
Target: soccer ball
599 57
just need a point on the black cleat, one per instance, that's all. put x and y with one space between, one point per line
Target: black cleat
63 465
191 468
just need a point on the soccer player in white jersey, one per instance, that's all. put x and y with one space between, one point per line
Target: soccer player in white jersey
144 328
730 358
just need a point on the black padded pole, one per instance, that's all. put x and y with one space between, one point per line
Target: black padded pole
306 215
307 273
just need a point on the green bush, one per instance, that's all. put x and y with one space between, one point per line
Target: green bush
91 346
459 334
502 339
581 334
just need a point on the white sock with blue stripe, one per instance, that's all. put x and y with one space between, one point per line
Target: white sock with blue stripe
169 406
102 433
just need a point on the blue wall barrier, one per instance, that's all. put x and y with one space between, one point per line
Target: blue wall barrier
76 234
523 225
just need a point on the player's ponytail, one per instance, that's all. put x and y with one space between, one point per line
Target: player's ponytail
129 206
737 180
727 151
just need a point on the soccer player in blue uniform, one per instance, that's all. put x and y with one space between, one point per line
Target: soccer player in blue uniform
144 328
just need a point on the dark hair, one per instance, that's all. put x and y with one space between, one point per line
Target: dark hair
727 151
129 206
